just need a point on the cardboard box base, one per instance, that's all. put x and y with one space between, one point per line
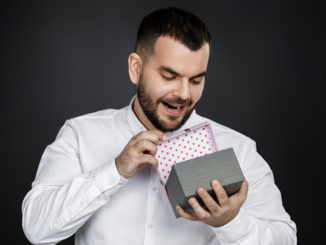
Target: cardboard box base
186 177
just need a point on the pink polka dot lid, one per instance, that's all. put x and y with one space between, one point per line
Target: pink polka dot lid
184 145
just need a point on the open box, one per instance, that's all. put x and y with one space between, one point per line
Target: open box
189 160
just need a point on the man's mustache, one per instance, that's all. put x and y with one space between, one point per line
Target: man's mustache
177 101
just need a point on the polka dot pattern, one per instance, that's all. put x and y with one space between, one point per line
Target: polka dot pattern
191 144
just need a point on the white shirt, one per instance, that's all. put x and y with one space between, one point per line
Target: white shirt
78 189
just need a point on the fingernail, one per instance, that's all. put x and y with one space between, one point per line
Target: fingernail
215 182
164 137
191 201
201 191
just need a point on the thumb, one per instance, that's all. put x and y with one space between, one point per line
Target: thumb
160 134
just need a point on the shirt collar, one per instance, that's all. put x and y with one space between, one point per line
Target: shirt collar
136 126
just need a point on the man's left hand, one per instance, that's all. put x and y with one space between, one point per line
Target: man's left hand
217 213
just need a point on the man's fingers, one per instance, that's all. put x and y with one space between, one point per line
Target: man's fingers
146 158
208 200
154 136
221 195
191 216
200 212
147 147
241 195
140 150
159 133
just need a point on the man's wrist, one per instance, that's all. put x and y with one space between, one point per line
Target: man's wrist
234 229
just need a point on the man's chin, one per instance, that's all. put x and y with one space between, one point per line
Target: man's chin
171 123
170 127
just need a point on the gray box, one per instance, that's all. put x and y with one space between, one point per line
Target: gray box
186 177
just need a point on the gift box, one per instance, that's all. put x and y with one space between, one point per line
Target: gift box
187 176
189 160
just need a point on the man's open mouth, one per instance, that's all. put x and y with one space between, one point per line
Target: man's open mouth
173 107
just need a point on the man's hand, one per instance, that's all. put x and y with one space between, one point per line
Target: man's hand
140 150
217 213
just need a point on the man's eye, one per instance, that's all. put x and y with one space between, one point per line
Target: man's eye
167 78
196 82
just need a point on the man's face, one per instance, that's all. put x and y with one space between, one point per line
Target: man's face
171 83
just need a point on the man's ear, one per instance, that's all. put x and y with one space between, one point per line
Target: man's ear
134 67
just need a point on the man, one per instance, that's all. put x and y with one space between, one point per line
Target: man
98 178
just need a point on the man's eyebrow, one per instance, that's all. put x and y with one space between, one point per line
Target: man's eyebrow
199 75
169 70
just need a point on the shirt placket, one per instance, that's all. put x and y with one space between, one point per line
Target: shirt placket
150 215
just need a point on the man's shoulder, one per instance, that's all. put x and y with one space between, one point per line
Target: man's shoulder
106 113
99 117
223 132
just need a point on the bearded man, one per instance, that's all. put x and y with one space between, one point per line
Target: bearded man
97 180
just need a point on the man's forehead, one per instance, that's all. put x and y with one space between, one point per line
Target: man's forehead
171 53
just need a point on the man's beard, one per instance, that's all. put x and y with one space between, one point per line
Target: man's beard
149 108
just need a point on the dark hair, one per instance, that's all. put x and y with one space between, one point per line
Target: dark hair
174 22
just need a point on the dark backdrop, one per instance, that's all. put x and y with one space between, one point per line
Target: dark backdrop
64 59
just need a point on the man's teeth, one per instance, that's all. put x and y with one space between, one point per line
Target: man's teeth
175 108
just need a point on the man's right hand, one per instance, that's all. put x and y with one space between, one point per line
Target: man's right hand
140 150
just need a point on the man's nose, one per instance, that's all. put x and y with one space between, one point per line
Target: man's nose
182 89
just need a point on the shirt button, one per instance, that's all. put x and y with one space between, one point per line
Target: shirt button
150 226
153 189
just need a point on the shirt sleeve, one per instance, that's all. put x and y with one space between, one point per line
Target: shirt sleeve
262 218
63 197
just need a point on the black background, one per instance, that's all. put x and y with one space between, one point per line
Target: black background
64 59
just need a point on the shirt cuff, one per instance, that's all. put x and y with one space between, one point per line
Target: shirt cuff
108 179
235 229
